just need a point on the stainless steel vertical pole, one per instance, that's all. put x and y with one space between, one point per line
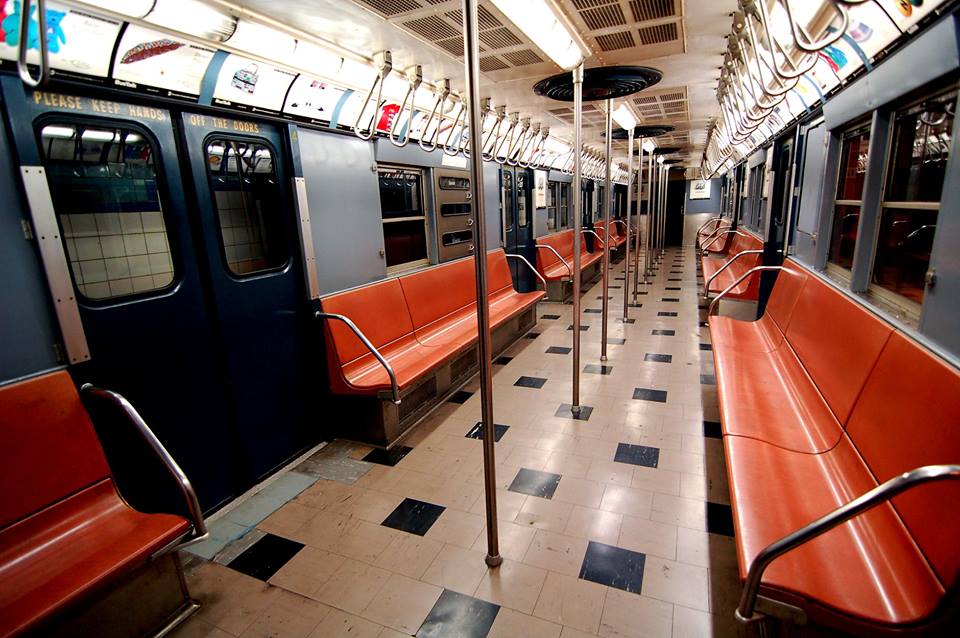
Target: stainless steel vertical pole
577 212
626 257
607 207
651 204
664 169
471 67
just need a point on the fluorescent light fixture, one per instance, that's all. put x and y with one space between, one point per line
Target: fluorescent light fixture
193 18
262 40
624 117
132 8
541 23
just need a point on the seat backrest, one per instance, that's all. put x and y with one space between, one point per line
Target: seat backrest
783 299
562 242
499 277
50 449
838 341
907 416
379 310
436 292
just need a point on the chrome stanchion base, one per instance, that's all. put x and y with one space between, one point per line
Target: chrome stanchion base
494 561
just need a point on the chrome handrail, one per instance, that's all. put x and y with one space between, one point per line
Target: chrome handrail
441 90
559 256
718 218
23 47
709 240
816 47
373 350
721 233
531 266
186 488
384 64
706 284
880 494
725 291
459 120
414 79
594 233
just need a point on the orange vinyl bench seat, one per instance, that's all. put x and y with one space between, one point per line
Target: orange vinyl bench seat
617 239
734 243
711 231
820 402
65 533
416 321
553 269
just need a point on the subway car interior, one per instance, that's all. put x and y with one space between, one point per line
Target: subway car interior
479 318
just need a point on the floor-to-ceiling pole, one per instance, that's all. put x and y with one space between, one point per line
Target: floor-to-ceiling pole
471 65
577 212
651 216
663 209
636 244
607 207
626 256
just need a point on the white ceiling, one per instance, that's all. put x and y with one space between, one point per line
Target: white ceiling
685 39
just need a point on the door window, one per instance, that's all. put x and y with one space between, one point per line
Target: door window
249 205
523 202
404 218
846 210
103 181
507 201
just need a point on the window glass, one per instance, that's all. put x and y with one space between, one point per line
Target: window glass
404 217
248 201
103 182
522 200
908 219
552 201
507 200
564 198
846 212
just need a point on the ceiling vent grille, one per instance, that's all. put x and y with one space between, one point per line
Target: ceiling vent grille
603 17
454 46
485 19
644 10
672 97
492 63
432 28
522 57
390 8
614 41
658 34
499 38
645 100
586 4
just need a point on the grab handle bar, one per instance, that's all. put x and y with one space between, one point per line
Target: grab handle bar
441 90
594 233
706 285
199 531
373 350
507 136
803 42
445 145
526 149
494 132
384 63
538 153
414 79
717 235
23 47
866 501
532 269
518 142
712 220
559 256
725 291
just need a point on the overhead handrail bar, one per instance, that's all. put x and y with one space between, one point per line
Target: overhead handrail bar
199 527
414 76
373 350
728 289
559 256
23 46
807 62
750 10
866 501
383 61
532 269
727 264
441 91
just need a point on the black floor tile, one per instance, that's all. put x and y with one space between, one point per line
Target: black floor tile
476 432
530 382
618 278
708 379
502 361
601 297
613 567
458 615
637 454
647 394
593 311
460 396
531 335
387 457
666 314
413 516
664 333
565 411
636 305
676 272
558 350
706 346
659 358
719 519
674 279
535 483
614 287
627 320
670 299
265 557
550 317
583 328
711 430
616 341
592 368
672 288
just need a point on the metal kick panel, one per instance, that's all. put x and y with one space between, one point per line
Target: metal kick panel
47 233
306 236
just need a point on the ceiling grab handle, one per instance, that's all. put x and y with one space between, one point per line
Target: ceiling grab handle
797 70
441 91
802 39
508 136
494 132
743 22
539 151
518 142
525 158
445 145
383 60
414 79
23 46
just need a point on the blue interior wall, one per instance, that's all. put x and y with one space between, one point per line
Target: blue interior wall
697 206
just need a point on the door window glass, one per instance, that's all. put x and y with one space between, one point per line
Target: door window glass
552 217
564 205
522 200
846 210
249 205
404 217
103 182
507 200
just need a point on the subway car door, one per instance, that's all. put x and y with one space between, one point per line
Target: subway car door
112 188
247 226
517 201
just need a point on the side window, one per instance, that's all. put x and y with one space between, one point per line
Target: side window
523 202
564 205
846 210
552 218
404 217
248 202
103 181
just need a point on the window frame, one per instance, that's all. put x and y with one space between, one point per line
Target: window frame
856 128
417 263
